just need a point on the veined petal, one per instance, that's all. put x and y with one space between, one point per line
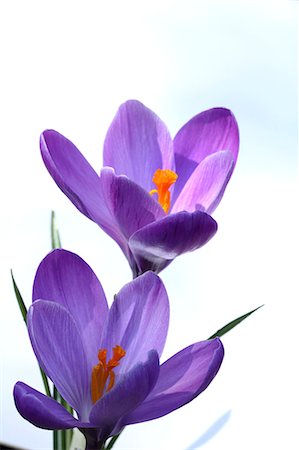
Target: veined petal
138 320
42 411
79 182
65 278
128 393
59 349
157 244
182 378
137 144
207 184
208 132
130 206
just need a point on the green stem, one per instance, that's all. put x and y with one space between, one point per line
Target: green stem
55 440
59 435
45 381
68 434
55 238
62 438
68 438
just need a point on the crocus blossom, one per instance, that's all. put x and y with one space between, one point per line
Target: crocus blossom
154 195
105 362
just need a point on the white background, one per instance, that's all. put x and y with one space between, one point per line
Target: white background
68 65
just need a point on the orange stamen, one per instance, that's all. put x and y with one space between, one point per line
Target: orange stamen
163 179
103 370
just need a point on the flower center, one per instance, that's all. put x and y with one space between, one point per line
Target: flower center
163 179
104 371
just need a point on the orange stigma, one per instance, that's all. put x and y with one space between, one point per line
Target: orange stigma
104 370
163 179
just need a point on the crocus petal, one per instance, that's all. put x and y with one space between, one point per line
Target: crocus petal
59 349
65 278
182 378
130 205
157 244
77 179
206 133
42 411
207 184
128 393
138 320
137 144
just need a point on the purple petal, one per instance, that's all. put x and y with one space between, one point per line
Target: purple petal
59 349
65 278
137 144
128 393
138 320
157 244
207 184
182 378
209 132
77 179
130 206
42 411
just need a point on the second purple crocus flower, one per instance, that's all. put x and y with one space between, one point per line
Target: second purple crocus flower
154 195
105 362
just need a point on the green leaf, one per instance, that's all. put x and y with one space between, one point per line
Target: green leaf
233 324
19 298
112 441
23 310
55 238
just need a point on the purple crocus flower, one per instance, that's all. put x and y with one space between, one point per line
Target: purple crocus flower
154 194
105 362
